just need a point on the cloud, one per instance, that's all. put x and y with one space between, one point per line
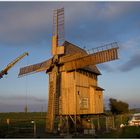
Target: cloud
107 22
31 22
131 45
21 107
21 99
28 22
24 24
105 67
115 10
129 54
17 103
132 63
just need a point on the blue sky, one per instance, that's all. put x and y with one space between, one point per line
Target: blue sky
27 26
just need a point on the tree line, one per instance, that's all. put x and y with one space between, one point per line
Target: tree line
118 107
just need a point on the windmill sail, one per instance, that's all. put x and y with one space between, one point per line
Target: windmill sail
91 59
71 57
58 32
35 68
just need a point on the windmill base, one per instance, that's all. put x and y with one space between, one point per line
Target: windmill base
74 124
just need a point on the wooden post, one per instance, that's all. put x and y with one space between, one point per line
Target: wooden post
75 103
67 119
106 123
8 122
121 118
98 119
92 126
34 129
60 124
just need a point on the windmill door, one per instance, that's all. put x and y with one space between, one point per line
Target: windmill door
82 100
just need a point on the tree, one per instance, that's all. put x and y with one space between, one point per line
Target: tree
118 107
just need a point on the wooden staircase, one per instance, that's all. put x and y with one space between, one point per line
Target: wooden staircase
53 103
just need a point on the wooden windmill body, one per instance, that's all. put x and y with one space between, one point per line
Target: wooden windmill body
73 86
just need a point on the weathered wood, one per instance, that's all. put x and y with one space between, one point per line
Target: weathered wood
35 68
70 57
53 102
77 86
92 59
54 44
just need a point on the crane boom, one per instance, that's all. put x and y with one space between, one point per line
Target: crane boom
11 64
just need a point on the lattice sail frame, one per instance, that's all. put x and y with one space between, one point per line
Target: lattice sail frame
58 25
58 32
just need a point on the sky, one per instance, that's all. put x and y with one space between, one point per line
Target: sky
27 27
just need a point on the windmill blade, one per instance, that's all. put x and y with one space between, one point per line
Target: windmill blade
35 68
91 59
70 57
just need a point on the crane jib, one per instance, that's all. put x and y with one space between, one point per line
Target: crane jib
11 64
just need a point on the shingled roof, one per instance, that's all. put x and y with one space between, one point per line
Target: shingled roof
71 49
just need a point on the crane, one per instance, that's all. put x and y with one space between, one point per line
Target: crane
11 64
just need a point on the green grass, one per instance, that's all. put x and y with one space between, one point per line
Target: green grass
22 115
126 132
130 132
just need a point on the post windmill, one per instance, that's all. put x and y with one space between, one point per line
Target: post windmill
73 86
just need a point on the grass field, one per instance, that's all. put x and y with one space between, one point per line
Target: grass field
20 126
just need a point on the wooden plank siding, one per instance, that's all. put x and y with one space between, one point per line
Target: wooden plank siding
78 87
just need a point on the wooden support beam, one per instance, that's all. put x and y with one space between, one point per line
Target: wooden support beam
72 119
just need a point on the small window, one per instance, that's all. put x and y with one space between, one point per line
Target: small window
84 103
